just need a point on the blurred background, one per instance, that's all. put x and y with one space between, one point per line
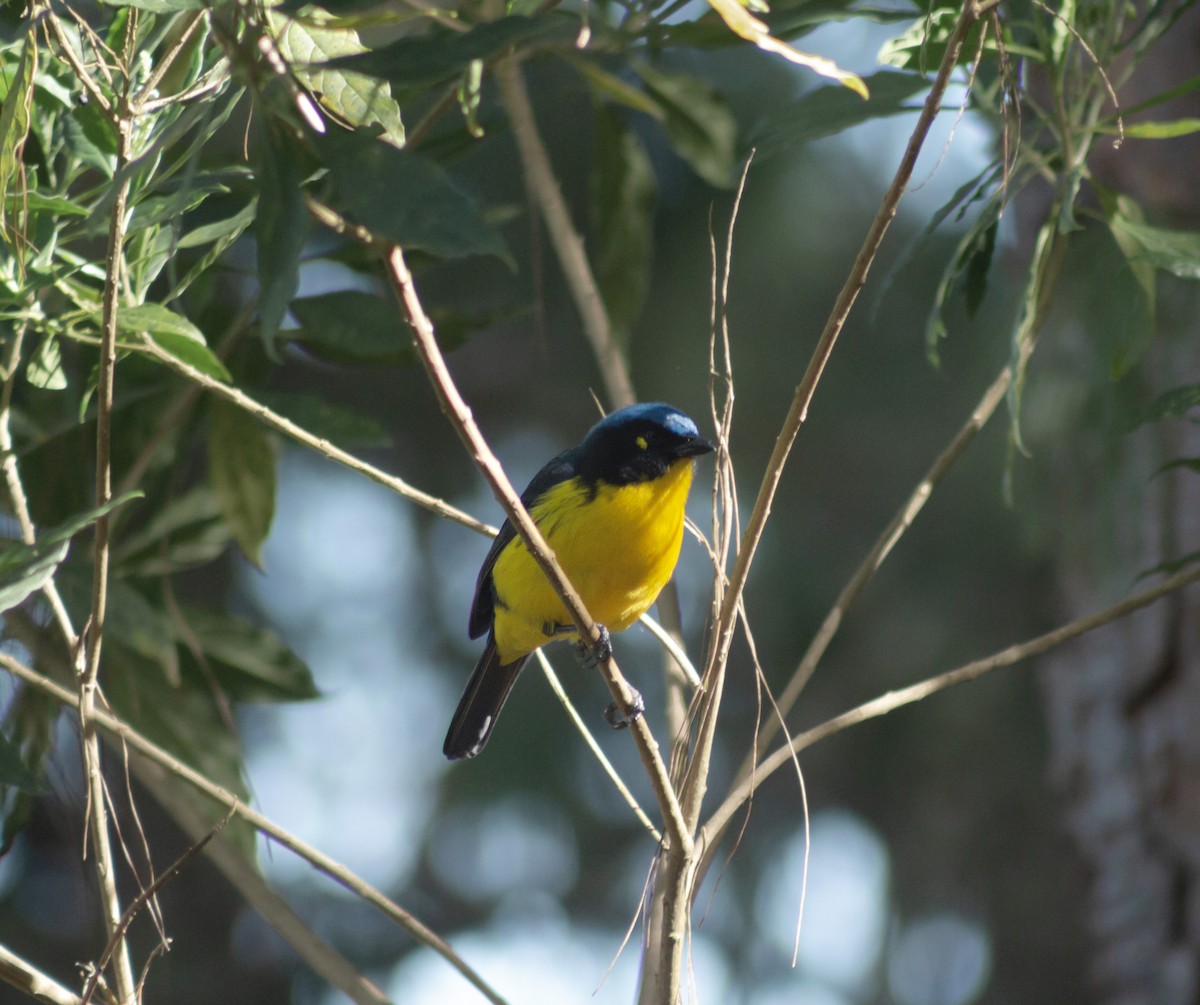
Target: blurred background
944 864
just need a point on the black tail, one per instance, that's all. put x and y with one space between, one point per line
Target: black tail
487 691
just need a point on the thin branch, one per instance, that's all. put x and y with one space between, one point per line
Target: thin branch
923 689
593 746
67 50
144 898
315 443
543 187
166 61
896 528
727 619
461 419
27 978
318 859
126 987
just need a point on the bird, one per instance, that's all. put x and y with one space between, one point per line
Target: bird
612 511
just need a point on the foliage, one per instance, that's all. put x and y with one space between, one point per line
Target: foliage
150 152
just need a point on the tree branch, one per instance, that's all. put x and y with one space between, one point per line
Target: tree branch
460 417
318 859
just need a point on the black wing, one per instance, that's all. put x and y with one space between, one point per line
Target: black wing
555 472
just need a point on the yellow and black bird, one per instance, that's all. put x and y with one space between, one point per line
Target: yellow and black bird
612 511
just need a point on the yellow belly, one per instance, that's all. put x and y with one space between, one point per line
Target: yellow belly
618 549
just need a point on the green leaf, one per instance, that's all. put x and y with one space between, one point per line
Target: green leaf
1158 130
331 422
14 119
281 228
973 255
975 285
829 110
44 369
403 197
623 195
609 85
219 229
699 122
158 6
13 771
350 326
441 55
241 464
25 568
189 530
1172 566
155 319
249 663
185 719
1173 404
1176 251
353 97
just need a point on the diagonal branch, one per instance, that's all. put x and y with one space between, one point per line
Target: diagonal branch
222 796
27 978
716 824
460 417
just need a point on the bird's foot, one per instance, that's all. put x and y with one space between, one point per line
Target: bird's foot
593 656
620 718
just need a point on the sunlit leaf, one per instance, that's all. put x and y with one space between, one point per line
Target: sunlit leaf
241 465
308 45
742 22
44 369
1157 130
158 6
14 119
1176 251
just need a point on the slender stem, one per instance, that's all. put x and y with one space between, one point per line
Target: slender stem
543 187
318 859
461 419
27 978
315 443
126 988
716 824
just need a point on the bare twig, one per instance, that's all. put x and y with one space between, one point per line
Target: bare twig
315 443
27 978
923 689
67 49
96 812
460 417
144 898
543 187
318 859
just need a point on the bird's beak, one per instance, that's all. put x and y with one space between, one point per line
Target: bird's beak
694 447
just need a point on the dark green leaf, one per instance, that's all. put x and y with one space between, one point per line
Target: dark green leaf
13 771
833 109
281 228
329 421
219 229
441 55
975 247
403 197
1172 566
623 195
241 464
351 326
195 354
975 285
158 6
699 123
91 138
249 663
1173 404
14 118
188 722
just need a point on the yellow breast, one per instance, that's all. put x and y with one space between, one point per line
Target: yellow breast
618 547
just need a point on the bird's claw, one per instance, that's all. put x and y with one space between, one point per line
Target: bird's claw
619 718
593 656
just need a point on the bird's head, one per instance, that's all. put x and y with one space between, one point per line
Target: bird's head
638 444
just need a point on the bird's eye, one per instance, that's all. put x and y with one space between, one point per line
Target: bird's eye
641 442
